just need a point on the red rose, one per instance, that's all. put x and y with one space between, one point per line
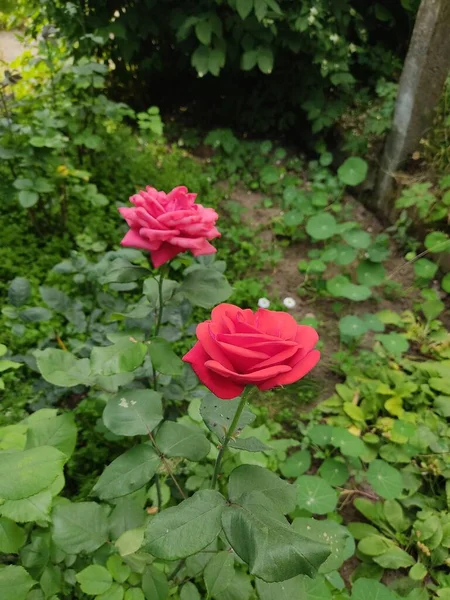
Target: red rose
240 347
167 224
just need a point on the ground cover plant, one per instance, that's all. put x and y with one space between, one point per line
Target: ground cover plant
167 429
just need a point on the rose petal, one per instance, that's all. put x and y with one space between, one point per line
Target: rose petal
206 337
220 386
205 248
278 358
276 323
268 373
165 253
306 336
297 372
133 240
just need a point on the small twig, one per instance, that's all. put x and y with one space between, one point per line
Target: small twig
166 464
346 492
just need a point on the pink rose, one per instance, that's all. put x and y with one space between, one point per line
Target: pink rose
240 347
167 224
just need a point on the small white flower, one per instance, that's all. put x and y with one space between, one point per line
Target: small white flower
263 303
334 38
313 11
123 403
311 19
352 48
289 302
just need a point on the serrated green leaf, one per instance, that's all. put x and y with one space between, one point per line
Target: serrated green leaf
185 529
94 580
246 479
266 542
175 439
80 527
133 412
34 470
127 473
353 171
219 573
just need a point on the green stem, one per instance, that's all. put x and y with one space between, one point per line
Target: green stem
158 318
161 303
229 434
158 491
177 569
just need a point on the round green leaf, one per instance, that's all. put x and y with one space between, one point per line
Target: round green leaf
373 322
338 538
345 255
445 283
352 326
315 495
370 273
424 268
321 226
94 580
437 241
394 343
385 480
296 464
334 472
321 434
353 171
349 444
341 287
133 412
34 470
27 198
357 238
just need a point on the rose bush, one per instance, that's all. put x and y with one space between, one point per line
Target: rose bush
239 347
168 224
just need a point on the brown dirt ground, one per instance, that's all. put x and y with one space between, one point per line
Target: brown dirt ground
285 278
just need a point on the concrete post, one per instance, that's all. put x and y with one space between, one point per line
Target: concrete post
424 73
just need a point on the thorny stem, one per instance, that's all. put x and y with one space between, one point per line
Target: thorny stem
229 434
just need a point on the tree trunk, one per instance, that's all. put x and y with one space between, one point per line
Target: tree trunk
424 73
